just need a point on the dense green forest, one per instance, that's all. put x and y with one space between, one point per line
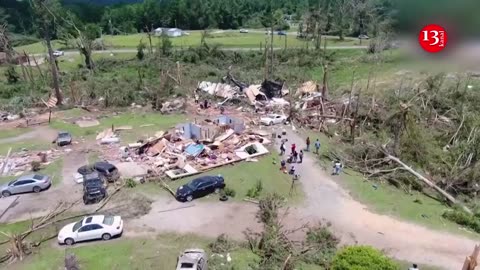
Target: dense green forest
352 15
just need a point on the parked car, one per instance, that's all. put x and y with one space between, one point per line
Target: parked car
94 189
91 228
58 53
243 31
63 138
363 37
268 32
200 187
106 169
192 259
281 33
273 119
27 183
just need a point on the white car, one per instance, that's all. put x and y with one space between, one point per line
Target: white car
91 228
243 31
58 53
273 119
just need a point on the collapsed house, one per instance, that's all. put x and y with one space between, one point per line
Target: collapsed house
267 94
18 163
192 148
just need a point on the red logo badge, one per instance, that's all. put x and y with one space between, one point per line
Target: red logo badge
433 38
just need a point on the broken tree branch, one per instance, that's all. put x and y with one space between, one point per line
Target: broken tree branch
426 181
456 133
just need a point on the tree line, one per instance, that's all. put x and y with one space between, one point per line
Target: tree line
338 16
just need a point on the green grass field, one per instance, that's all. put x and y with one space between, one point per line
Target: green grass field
8 133
30 144
157 252
156 122
225 39
241 177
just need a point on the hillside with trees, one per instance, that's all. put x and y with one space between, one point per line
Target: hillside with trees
338 16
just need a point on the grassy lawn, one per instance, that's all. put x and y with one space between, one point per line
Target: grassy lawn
53 169
225 39
243 176
29 144
8 133
156 252
71 113
72 62
156 122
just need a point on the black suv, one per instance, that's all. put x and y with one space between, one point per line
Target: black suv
200 187
93 188
106 169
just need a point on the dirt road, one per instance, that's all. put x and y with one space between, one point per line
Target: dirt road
406 241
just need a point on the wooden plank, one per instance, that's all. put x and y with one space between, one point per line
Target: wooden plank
5 161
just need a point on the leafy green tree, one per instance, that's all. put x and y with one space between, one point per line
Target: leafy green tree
46 12
362 258
342 19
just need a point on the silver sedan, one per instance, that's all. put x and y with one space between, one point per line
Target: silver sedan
26 183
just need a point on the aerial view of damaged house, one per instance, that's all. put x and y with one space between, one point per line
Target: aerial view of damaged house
191 148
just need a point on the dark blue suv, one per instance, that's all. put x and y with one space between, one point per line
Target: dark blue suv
200 187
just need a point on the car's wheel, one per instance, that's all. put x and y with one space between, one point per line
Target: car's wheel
69 241
6 193
106 236
37 189
189 198
217 190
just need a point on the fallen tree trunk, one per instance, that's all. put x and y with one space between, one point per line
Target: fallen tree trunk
426 181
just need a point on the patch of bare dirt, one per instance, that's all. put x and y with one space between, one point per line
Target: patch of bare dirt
129 205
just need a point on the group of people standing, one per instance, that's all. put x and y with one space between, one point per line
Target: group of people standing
297 156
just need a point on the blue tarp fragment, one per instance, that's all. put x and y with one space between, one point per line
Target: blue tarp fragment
194 149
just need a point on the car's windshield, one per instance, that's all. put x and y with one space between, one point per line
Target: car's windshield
93 183
108 220
11 182
271 116
63 135
77 226
186 266
193 185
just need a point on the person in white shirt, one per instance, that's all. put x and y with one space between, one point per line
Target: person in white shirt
337 167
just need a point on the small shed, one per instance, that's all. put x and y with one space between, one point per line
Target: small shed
174 32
